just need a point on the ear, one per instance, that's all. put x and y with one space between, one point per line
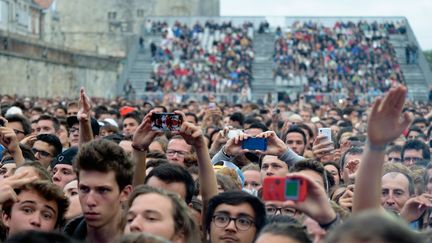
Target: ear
5 219
124 194
178 238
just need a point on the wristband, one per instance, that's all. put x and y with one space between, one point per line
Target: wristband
331 223
223 152
376 148
139 148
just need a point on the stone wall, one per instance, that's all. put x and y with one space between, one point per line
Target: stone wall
34 69
30 77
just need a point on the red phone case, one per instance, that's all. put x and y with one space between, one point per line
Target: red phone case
274 188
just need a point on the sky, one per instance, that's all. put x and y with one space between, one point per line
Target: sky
418 12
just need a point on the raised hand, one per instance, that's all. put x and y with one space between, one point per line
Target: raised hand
84 112
8 185
385 121
316 205
322 147
234 145
144 135
9 139
415 207
275 146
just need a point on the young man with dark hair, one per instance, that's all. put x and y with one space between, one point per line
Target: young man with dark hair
393 154
173 178
131 122
47 124
39 206
46 147
234 216
104 174
413 151
296 140
20 124
236 120
192 118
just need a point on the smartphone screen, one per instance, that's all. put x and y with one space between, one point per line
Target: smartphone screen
255 144
326 131
166 122
292 189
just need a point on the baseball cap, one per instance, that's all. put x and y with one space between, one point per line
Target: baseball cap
66 157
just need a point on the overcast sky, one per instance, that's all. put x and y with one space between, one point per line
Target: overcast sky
418 12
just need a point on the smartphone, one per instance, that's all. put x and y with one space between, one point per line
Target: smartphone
234 133
212 105
166 122
279 188
255 144
325 131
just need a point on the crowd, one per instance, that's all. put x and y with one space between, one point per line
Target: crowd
94 170
347 57
202 58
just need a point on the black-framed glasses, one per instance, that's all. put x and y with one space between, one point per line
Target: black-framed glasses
73 129
272 210
171 152
242 223
41 152
18 131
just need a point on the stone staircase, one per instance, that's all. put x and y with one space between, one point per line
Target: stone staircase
415 80
263 82
141 67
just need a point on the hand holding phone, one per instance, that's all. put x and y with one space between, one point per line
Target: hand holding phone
280 188
166 122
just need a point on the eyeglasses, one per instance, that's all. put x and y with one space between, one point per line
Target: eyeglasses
41 152
414 159
272 210
241 223
18 131
73 129
171 152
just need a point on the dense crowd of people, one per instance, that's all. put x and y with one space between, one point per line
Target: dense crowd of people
202 58
97 170
347 57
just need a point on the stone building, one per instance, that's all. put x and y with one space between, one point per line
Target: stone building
22 17
103 26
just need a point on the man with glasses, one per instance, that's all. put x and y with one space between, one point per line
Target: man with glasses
234 217
20 125
73 125
177 150
46 147
414 151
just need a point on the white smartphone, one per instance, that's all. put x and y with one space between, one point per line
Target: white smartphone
326 131
234 133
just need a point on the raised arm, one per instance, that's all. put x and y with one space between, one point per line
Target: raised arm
386 123
84 118
10 141
193 136
142 138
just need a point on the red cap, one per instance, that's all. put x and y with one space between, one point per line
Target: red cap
126 110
